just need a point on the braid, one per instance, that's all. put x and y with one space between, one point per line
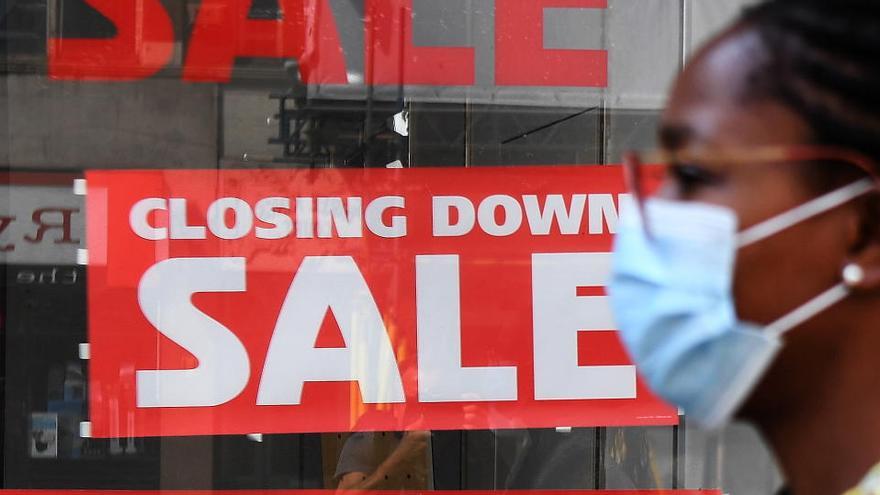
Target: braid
823 61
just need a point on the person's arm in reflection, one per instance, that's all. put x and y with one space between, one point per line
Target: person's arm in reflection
356 469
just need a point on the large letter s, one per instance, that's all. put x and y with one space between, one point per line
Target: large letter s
164 295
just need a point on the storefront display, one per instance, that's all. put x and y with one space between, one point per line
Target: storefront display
302 246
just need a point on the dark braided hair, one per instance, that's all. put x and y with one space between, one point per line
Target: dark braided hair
823 61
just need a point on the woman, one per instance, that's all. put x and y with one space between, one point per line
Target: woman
756 267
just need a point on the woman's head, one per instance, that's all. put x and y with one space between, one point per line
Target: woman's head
792 73
822 60
815 61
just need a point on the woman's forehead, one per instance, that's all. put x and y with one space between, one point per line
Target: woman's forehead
708 124
710 105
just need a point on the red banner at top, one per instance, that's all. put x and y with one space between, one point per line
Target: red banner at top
238 301
307 31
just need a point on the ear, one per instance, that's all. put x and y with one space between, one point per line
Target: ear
862 270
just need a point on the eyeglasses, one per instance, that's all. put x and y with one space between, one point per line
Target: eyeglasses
645 172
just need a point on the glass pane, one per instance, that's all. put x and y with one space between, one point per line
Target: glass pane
212 98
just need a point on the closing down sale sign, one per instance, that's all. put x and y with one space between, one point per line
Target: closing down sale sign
261 301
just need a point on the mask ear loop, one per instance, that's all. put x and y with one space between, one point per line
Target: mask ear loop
790 218
808 310
805 211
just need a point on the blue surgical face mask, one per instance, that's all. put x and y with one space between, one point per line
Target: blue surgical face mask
671 294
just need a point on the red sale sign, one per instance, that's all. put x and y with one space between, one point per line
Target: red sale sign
244 301
308 32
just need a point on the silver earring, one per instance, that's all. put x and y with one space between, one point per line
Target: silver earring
853 274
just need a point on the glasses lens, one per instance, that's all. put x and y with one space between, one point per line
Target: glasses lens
632 169
642 179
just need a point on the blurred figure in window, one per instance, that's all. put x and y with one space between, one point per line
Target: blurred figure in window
384 461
